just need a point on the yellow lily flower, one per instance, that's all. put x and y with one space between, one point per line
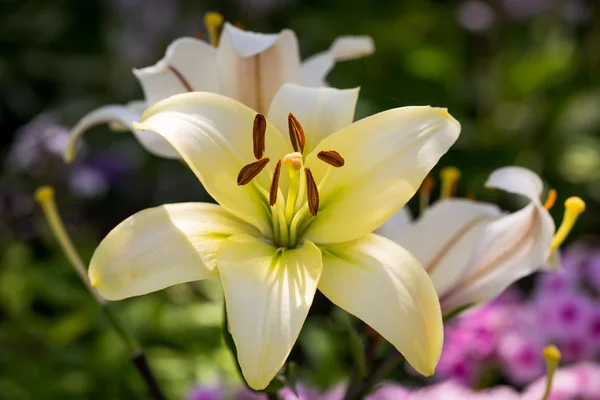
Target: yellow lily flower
300 192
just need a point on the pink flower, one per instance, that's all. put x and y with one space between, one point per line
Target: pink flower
578 381
521 358
389 391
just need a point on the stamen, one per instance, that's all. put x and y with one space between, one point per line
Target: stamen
574 206
296 131
449 177
258 135
471 195
332 158
213 22
552 357
275 184
425 193
183 81
550 200
312 193
45 197
200 35
251 170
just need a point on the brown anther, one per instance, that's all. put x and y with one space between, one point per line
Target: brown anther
181 78
296 133
275 184
258 135
312 193
251 170
332 158
239 25
428 184
471 195
200 35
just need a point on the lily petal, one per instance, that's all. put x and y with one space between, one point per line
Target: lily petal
252 66
385 286
507 249
316 68
213 135
443 238
517 180
268 292
123 116
387 157
160 247
320 111
396 225
189 65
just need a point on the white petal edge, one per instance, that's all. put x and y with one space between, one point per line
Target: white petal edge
320 111
160 247
381 283
443 238
315 69
213 135
187 62
394 227
513 246
387 157
124 116
268 292
253 66
517 180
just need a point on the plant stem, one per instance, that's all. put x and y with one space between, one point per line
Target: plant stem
358 390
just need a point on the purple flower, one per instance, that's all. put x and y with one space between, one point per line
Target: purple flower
205 393
592 271
521 358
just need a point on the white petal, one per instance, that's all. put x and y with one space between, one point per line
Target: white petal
188 64
517 180
213 135
507 249
124 116
385 286
321 111
137 107
315 69
160 247
253 66
268 292
387 157
443 238
394 227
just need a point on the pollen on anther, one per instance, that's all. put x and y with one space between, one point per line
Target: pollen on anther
250 171
258 135
312 192
275 184
332 158
297 137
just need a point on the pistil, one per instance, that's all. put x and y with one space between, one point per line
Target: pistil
574 206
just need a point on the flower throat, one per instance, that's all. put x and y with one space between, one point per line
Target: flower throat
289 214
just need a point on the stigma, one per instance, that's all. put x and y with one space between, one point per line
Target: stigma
574 206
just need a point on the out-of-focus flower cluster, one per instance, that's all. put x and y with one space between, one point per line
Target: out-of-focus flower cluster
506 337
579 381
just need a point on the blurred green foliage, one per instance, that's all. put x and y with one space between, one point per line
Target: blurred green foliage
526 89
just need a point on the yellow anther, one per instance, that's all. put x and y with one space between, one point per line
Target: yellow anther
550 200
45 196
552 357
449 177
574 206
425 193
213 22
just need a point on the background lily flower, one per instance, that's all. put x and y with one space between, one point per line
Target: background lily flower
472 250
246 66
278 236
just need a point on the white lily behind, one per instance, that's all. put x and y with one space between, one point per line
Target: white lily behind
472 250
246 66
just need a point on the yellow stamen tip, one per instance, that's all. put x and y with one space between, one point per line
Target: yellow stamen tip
551 354
94 281
44 194
550 200
575 205
213 22
449 177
